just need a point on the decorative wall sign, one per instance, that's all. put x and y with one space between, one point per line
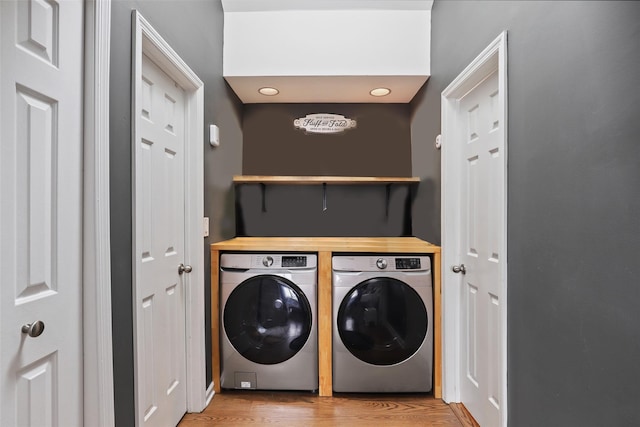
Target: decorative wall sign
324 123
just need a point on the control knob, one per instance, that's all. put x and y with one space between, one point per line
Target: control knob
381 263
267 261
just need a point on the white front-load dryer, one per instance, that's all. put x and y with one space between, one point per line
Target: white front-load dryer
268 321
382 323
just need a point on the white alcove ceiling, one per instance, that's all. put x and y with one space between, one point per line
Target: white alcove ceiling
326 51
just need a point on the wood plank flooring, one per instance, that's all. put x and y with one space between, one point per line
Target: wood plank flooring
300 409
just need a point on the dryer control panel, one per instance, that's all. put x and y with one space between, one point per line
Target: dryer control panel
381 263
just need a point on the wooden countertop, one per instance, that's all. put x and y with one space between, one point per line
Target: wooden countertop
333 244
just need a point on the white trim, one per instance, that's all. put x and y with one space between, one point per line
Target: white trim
147 40
210 393
97 333
196 349
493 58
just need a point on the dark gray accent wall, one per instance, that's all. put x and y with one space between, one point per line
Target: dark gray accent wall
194 29
573 186
380 144
316 211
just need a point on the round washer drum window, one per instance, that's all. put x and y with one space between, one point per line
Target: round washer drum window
382 321
267 319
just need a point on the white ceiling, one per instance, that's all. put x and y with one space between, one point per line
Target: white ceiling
264 5
326 89
322 88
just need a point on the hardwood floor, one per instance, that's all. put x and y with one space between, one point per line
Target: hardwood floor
299 409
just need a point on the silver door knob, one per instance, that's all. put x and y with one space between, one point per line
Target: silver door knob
459 269
184 269
34 329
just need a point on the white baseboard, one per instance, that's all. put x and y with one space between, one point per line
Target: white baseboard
210 393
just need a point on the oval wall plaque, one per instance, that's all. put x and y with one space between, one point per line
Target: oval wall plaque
324 123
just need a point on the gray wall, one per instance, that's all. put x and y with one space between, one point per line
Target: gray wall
194 30
574 339
573 210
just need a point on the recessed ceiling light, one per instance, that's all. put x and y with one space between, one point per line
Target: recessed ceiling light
268 91
380 91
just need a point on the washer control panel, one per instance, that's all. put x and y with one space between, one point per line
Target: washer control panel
294 261
269 261
407 263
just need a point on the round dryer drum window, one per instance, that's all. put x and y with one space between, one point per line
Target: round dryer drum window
382 321
267 319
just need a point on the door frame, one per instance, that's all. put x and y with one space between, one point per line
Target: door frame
492 59
146 40
98 404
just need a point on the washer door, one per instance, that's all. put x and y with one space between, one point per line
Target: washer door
267 319
382 321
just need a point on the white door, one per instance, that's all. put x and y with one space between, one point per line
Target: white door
41 212
474 224
480 251
160 224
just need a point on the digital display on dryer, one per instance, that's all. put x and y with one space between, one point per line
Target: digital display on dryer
294 261
407 263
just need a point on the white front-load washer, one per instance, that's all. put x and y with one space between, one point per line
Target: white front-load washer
268 319
382 323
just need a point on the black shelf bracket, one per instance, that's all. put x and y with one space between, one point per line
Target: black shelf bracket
263 191
324 196
387 201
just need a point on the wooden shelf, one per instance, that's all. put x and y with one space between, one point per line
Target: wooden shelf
271 179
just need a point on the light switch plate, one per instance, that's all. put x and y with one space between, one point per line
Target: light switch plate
214 135
206 226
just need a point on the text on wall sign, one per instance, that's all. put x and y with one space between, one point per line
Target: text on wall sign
324 123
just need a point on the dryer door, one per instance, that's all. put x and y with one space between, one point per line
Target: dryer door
267 319
382 321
